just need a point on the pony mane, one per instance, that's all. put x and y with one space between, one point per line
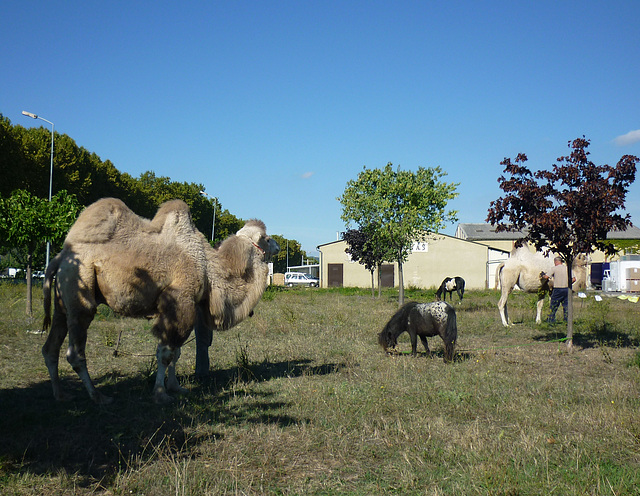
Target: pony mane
395 326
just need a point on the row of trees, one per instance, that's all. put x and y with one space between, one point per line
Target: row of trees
80 177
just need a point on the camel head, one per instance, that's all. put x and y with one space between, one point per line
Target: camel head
256 231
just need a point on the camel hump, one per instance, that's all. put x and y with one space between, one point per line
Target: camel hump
170 213
98 222
109 218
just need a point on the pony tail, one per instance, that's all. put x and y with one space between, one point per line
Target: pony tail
451 335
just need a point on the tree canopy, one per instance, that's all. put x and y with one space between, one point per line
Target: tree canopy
25 155
27 222
405 206
570 208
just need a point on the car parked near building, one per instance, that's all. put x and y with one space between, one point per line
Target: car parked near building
292 279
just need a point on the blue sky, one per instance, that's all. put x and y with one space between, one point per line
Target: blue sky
273 106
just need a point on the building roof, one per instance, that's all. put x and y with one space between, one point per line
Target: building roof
486 232
632 232
433 236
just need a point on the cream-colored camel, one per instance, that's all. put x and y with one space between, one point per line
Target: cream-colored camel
160 268
524 269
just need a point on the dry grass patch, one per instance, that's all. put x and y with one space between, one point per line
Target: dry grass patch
301 400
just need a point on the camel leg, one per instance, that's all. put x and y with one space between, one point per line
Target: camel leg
204 338
539 310
172 380
51 353
174 324
165 355
502 306
77 359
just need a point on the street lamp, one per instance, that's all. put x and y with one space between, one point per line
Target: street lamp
213 222
35 116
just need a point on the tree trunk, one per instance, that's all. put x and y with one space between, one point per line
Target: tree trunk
373 293
28 273
570 306
379 282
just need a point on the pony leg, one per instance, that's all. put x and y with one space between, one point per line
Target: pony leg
426 345
172 380
414 342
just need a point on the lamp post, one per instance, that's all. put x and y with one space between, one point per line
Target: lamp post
213 222
35 116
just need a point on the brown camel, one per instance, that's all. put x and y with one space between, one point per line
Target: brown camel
158 268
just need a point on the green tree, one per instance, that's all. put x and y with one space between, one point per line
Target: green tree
407 206
13 164
27 221
226 224
290 254
569 209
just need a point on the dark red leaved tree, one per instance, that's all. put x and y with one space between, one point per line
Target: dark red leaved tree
364 247
569 209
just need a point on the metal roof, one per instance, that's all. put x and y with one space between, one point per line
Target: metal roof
483 231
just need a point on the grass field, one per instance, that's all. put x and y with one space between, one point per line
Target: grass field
301 400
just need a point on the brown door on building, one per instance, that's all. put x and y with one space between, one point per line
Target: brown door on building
386 276
334 276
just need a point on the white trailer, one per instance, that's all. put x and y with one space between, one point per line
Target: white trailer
623 275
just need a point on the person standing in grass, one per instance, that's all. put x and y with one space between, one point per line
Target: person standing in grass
560 294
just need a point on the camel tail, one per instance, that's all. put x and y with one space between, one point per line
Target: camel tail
498 274
49 275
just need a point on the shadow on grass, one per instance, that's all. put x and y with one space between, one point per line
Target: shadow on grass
591 338
459 357
41 436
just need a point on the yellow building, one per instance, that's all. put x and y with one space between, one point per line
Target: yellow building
473 254
430 262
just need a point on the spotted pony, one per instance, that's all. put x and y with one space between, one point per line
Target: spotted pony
424 320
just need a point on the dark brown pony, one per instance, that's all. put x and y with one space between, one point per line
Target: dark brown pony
424 320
